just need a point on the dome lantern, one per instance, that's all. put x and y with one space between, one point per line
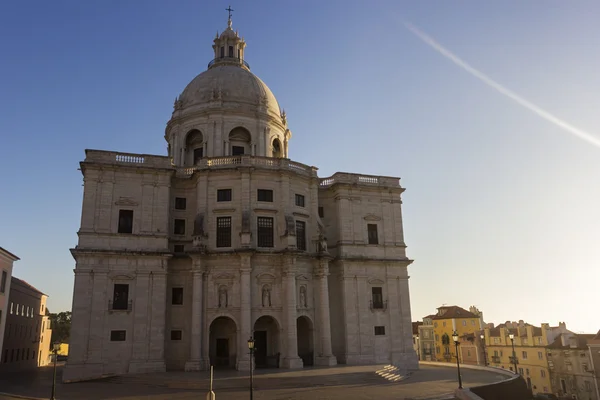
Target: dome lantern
229 47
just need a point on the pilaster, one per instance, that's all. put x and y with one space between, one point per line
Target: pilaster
245 329
290 359
196 362
325 356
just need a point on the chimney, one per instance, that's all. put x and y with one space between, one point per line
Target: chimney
521 323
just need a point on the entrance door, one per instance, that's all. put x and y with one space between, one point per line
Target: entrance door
222 352
260 349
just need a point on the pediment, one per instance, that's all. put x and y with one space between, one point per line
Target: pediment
265 277
223 277
126 201
302 278
372 217
375 281
120 276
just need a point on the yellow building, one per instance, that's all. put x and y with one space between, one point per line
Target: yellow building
530 350
448 320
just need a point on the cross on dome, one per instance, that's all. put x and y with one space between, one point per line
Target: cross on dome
229 9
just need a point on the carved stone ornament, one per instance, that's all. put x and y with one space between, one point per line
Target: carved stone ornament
302 299
266 296
223 297
372 217
375 281
126 201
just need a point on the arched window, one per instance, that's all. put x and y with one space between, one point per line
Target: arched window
239 141
194 144
231 51
222 51
277 148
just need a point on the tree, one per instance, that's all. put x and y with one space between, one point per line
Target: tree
61 326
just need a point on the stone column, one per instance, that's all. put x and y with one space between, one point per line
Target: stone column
196 361
325 357
291 359
246 328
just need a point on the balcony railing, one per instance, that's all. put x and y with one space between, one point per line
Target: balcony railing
378 305
120 305
496 359
229 60
513 360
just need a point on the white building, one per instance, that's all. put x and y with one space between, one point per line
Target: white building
6 266
182 258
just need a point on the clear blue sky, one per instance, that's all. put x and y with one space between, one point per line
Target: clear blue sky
502 207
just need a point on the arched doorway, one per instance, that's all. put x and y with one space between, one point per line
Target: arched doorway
223 343
304 332
266 342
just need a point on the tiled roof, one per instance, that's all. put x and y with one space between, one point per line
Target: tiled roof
581 342
455 312
27 285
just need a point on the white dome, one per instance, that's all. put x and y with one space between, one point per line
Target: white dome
229 84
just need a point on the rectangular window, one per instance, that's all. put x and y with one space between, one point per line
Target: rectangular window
3 282
224 195
230 51
540 355
120 296
524 355
179 227
11 307
300 200
180 203
321 212
118 336
372 231
125 221
179 248
265 232
264 195
379 330
224 232
198 154
464 323
301 235
177 296
176 335
377 297
237 150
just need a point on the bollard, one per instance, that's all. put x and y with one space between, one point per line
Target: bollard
211 395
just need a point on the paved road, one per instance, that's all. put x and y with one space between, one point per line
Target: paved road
337 383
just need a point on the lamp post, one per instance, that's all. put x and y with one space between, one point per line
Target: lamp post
251 348
55 349
482 337
456 343
511 336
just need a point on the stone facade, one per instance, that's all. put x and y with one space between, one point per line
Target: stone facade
28 332
571 368
182 258
6 267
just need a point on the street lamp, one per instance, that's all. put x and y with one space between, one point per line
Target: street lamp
418 348
482 337
251 348
511 336
55 349
456 343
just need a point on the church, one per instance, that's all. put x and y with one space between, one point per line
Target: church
182 258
